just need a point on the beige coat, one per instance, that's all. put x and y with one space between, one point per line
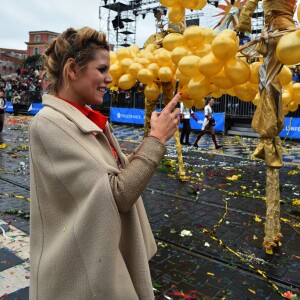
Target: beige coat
82 247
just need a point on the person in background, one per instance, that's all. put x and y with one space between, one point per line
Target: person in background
15 100
208 124
90 237
2 108
185 116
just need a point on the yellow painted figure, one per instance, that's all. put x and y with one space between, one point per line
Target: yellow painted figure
268 119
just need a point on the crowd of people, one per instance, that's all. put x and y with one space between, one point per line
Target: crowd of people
25 87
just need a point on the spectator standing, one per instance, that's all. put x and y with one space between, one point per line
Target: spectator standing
2 108
15 99
185 116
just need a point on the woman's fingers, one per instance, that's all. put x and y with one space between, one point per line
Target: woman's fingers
172 104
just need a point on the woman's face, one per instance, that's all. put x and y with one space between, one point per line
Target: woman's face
91 82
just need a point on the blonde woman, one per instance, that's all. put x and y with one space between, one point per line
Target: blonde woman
90 236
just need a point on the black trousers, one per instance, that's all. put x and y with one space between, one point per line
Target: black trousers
16 109
186 130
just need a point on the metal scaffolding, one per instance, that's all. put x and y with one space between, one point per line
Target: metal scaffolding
118 19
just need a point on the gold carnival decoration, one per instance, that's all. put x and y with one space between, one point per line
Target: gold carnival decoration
277 45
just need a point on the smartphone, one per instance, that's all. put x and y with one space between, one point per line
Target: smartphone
176 90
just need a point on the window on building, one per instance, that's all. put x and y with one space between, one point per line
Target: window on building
36 51
37 38
51 38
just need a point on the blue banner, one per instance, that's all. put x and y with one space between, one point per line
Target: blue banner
219 117
291 128
127 115
9 107
136 116
34 108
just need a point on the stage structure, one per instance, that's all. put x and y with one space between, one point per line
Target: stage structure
119 19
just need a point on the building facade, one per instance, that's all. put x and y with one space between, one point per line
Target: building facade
11 60
39 41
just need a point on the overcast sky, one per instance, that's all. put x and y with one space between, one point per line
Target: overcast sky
18 17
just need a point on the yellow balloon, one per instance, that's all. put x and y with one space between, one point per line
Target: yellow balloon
165 74
201 4
286 98
193 36
217 94
126 63
209 65
148 55
176 14
256 100
189 4
208 35
199 104
173 40
124 53
202 50
184 91
222 81
126 81
116 70
254 78
178 53
287 49
237 71
145 76
134 69
189 65
163 57
245 92
151 47
292 106
285 76
169 3
182 79
231 92
188 103
285 110
113 57
151 92
199 87
134 49
154 68
144 61
224 47
296 92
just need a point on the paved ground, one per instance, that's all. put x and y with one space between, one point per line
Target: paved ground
220 257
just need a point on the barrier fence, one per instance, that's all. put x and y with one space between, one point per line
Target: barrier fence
228 106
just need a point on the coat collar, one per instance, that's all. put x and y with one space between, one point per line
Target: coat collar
72 113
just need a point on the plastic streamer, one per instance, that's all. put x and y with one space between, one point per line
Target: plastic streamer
15 196
4 234
211 234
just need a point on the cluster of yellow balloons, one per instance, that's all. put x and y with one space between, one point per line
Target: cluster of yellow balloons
204 63
291 97
287 49
176 10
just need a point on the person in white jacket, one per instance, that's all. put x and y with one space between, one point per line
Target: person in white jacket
185 116
208 124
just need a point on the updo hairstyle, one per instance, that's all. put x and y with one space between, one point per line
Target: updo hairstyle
81 45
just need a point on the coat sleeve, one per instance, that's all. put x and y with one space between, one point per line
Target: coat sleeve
128 185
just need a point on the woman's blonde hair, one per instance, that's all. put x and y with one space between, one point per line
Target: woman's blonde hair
81 45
